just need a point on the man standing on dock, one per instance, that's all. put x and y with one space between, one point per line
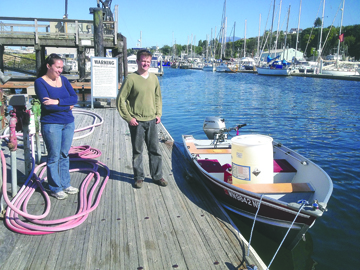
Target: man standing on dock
139 103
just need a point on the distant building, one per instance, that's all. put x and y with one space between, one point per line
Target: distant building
294 30
288 55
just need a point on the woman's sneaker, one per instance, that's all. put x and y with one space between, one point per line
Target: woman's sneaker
61 195
71 190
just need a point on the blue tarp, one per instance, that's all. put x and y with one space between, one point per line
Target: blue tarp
285 63
269 59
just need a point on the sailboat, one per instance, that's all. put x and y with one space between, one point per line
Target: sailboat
337 70
274 66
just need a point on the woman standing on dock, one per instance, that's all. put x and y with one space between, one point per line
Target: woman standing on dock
57 99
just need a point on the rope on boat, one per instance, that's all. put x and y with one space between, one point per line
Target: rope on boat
252 229
303 203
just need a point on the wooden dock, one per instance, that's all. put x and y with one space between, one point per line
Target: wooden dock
180 226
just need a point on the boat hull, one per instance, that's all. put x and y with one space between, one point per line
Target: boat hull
339 72
208 68
273 72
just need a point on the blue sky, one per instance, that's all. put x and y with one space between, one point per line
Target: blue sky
164 22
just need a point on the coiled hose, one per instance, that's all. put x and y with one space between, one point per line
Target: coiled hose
18 206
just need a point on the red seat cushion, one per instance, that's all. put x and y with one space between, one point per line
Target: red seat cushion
211 165
282 165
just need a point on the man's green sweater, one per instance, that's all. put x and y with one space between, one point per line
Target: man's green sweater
139 98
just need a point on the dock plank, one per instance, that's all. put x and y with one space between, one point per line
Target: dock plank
153 227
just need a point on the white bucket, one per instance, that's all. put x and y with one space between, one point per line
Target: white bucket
252 159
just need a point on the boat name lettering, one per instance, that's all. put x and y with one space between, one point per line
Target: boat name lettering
243 199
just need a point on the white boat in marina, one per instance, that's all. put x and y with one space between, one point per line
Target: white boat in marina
275 67
184 64
131 63
156 65
222 68
260 179
247 63
274 70
341 68
209 67
340 72
196 63
229 68
198 66
303 66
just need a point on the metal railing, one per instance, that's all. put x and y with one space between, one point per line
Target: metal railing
57 28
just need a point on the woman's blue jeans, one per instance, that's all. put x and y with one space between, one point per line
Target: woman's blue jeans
58 139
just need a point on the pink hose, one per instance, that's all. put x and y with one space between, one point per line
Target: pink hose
18 206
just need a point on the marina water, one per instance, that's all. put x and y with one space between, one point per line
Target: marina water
319 118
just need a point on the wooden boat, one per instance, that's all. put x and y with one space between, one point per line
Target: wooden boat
260 179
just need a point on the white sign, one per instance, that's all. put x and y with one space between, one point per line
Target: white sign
86 42
104 77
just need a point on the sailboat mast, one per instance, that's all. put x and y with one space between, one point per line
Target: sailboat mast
215 43
245 41
258 45
191 42
277 32
338 50
287 24
223 31
224 40
322 26
297 34
271 29
233 48
211 43
194 42
207 47
187 47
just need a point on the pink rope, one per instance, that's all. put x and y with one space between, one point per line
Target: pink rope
18 206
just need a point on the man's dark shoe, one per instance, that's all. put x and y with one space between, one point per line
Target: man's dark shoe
161 182
138 183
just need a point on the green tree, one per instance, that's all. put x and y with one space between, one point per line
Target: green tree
198 50
179 49
318 22
166 50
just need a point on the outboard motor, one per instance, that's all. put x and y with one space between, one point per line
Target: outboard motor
213 125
